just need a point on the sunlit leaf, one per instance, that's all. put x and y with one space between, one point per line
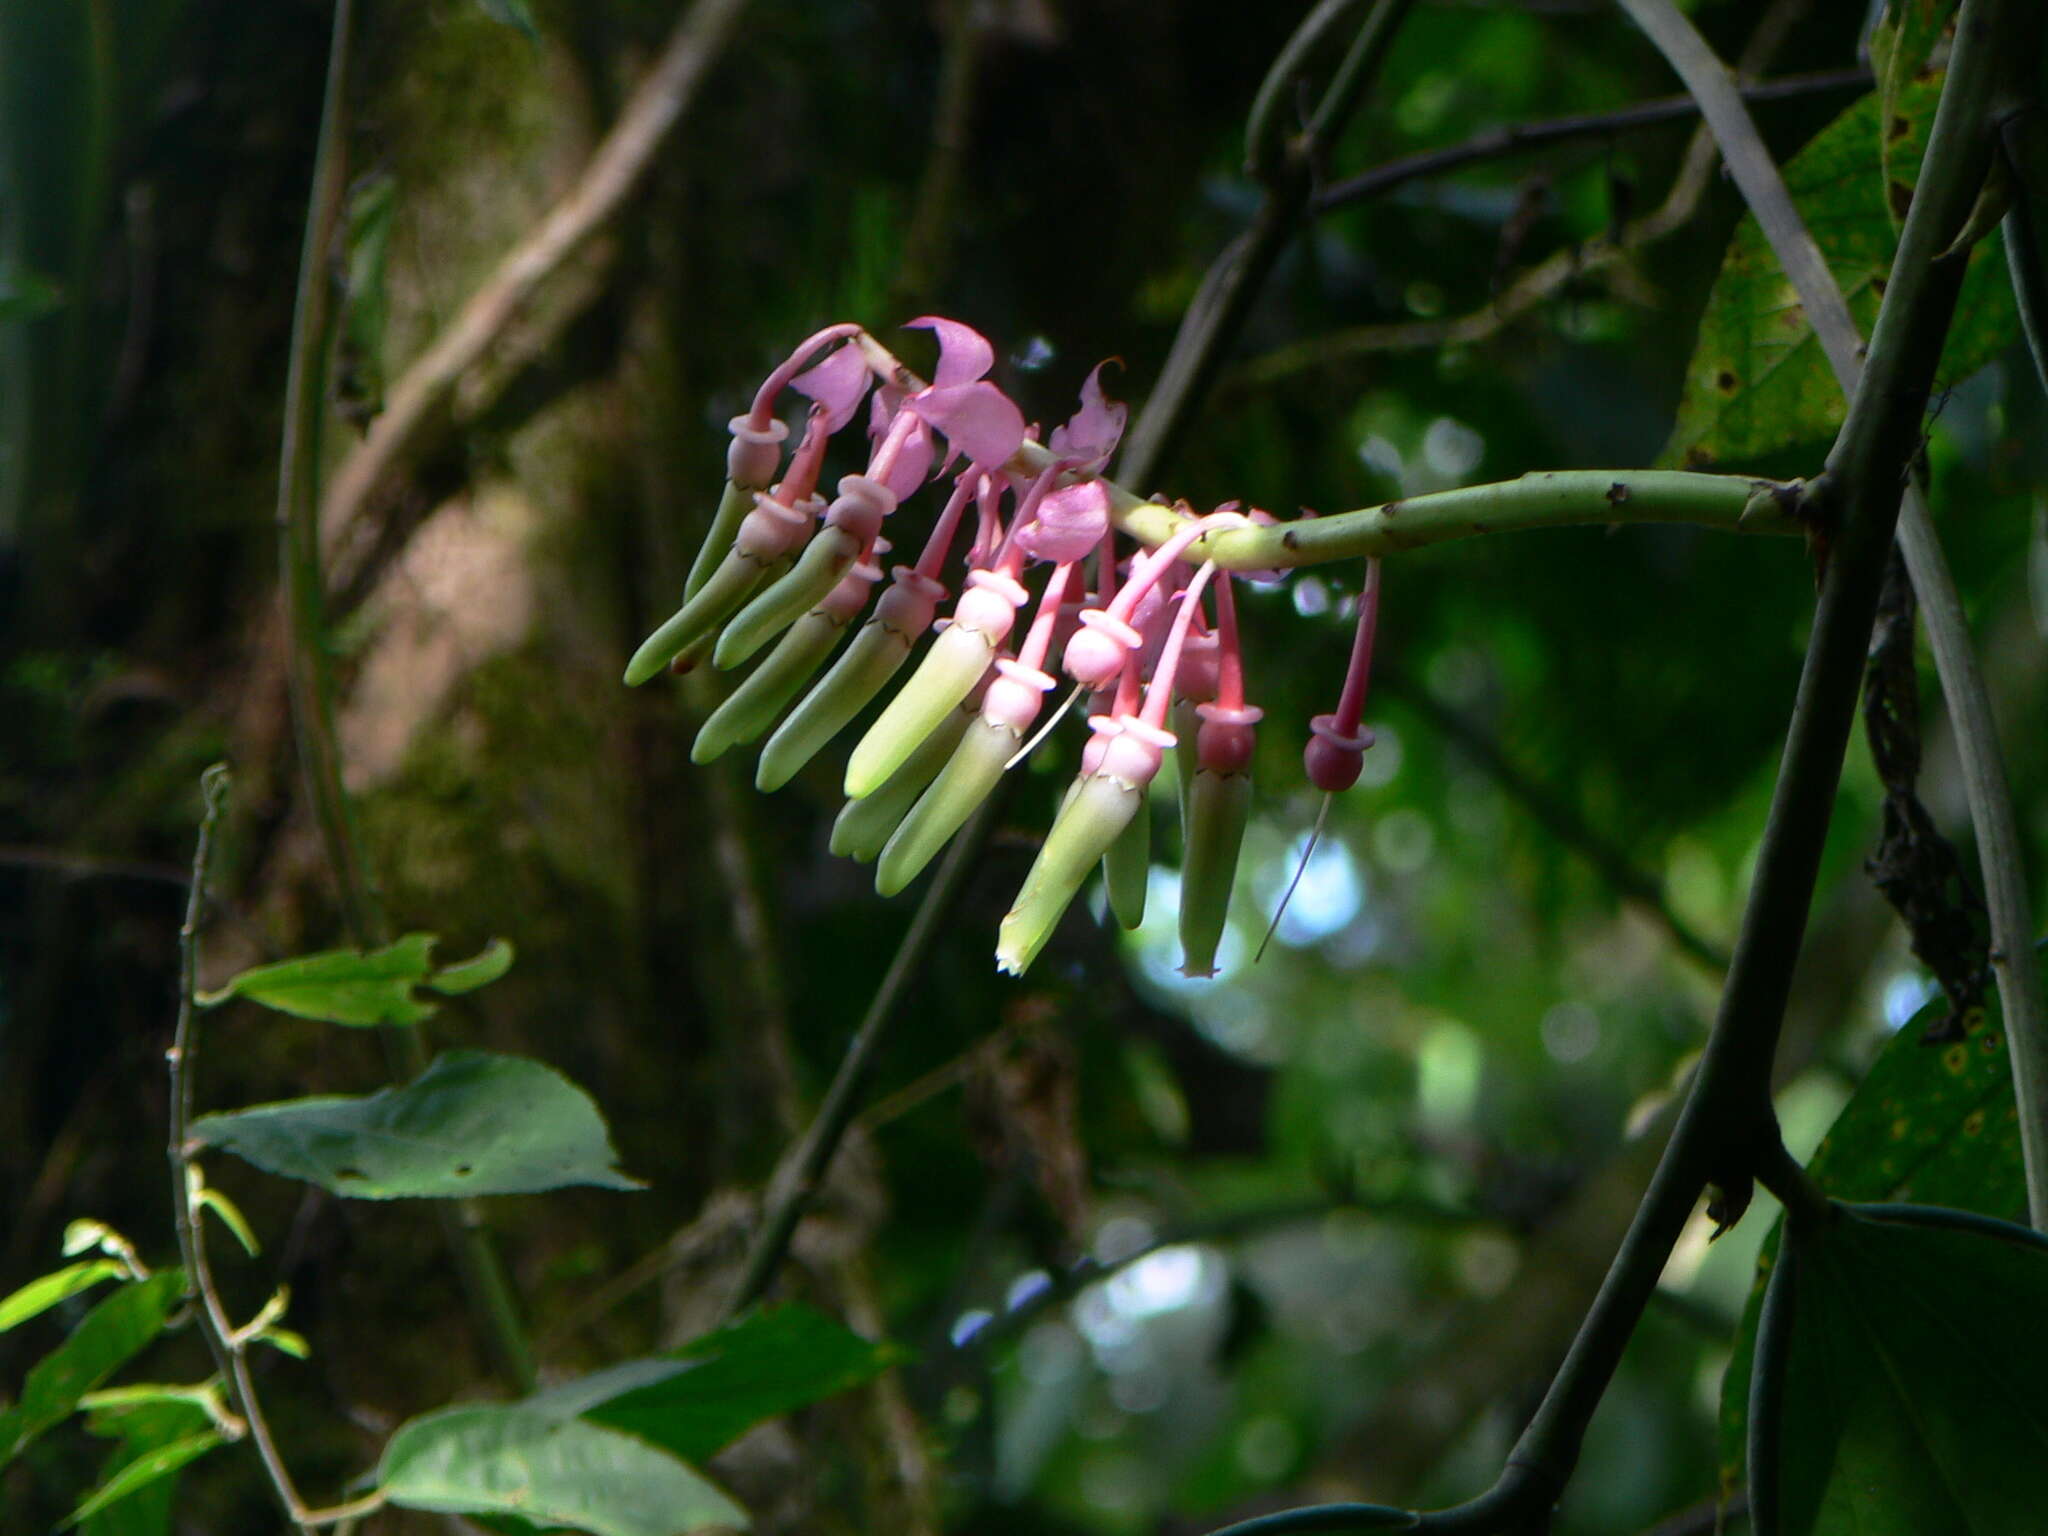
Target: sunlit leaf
206 1198
549 1469
1901 45
106 1338
143 1426
699 1398
346 986
145 1469
1758 381
1902 1378
466 976
39 1295
474 1123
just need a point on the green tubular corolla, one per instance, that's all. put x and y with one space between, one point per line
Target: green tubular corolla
753 706
864 825
825 559
862 671
701 613
970 774
950 669
1088 824
1187 726
733 507
1126 868
1218 805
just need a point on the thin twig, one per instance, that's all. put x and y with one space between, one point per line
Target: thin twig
1521 138
229 1352
88 866
2000 852
1234 279
803 1170
1727 1121
417 406
311 681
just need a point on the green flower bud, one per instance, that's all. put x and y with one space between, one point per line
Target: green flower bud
1092 819
825 559
969 776
864 825
1127 868
753 706
1218 806
958 660
862 671
733 507
702 612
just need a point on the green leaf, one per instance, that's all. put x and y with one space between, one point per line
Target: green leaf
1902 1379
372 203
25 296
699 1398
1934 1123
468 975
550 1469
231 1217
106 1338
346 986
143 1427
1758 382
473 1123
38 1296
513 13
146 1468
1900 45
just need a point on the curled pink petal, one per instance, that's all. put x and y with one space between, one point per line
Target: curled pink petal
912 463
977 418
837 384
1092 433
882 408
964 353
1068 524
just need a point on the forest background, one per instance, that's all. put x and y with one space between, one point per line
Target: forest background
1375 1175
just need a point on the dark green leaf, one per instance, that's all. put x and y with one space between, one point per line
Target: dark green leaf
1900 46
699 1398
106 1338
24 296
39 1295
474 1123
1932 1123
142 1427
144 1469
1759 382
346 986
371 205
1902 1384
550 1469
513 13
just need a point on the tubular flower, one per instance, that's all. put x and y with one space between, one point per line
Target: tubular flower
787 570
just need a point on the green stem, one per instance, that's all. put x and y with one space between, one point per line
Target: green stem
311 681
1999 849
1288 168
803 1169
230 1356
1550 499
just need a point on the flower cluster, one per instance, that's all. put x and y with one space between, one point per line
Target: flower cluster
1152 639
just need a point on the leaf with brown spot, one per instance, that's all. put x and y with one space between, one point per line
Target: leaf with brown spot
1755 331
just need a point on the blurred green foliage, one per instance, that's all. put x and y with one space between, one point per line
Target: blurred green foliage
1377 1142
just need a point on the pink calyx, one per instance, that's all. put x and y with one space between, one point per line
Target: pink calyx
861 505
1093 656
1335 754
1015 696
908 607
